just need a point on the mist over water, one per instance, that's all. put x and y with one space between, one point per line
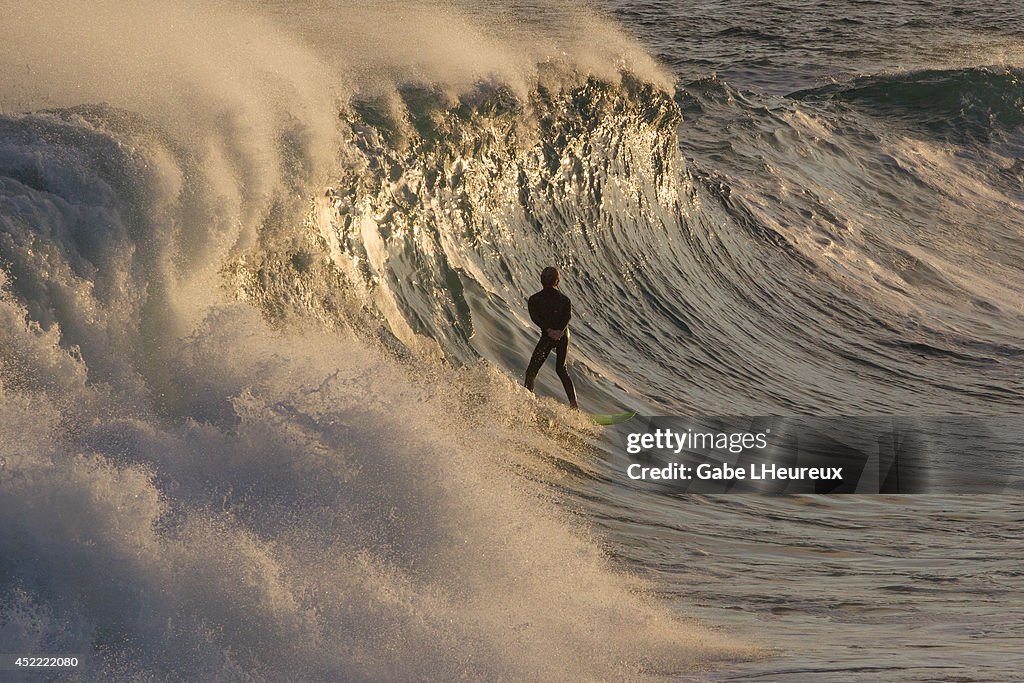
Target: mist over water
263 322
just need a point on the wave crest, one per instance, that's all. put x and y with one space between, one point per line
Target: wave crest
961 102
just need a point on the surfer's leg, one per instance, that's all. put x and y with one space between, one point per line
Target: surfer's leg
540 354
562 358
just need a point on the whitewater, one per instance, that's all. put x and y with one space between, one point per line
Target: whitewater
263 272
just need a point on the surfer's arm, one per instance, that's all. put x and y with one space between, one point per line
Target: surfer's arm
561 323
563 320
534 313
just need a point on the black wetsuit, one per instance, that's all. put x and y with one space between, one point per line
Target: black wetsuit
551 310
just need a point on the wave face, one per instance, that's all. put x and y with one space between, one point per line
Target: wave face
749 278
264 319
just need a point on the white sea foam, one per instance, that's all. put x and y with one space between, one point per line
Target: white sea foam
320 512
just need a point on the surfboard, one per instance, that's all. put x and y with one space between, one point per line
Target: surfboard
612 419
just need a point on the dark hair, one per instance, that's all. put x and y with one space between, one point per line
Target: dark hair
549 276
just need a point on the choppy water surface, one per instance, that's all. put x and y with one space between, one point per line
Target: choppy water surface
879 110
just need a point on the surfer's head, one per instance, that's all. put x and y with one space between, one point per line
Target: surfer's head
549 277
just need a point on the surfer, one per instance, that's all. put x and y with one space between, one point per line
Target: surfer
551 310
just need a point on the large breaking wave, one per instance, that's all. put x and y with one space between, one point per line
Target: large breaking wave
196 487
246 430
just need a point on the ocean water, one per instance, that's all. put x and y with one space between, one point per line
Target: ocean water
264 270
